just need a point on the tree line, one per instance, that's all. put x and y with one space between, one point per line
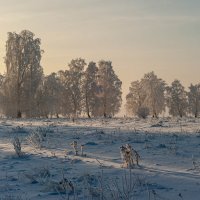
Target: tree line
152 96
92 90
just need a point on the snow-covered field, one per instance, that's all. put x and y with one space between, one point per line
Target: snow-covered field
169 167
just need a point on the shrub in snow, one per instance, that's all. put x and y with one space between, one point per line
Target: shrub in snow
43 175
17 146
43 131
123 155
196 164
127 187
143 112
39 175
74 144
82 147
137 157
37 138
61 187
66 185
129 156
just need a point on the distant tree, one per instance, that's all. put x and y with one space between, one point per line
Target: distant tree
41 101
24 72
89 89
109 91
52 90
73 81
177 99
153 88
32 81
194 99
65 94
135 98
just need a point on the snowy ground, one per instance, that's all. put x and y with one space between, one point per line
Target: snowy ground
169 167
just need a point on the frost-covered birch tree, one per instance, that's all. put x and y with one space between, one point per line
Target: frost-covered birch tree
24 72
177 99
110 89
89 90
65 101
135 98
194 99
74 84
153 88
52 90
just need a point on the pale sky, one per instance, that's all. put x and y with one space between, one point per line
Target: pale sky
138 36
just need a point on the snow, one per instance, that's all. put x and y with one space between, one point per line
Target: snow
169 166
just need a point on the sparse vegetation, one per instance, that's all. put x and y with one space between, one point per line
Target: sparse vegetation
129 156
37 137
99 175
17 146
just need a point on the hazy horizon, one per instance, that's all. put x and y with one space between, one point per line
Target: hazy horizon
138 36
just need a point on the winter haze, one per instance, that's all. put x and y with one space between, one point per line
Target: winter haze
96 100
137 36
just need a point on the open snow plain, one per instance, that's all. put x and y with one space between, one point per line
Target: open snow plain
169 168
